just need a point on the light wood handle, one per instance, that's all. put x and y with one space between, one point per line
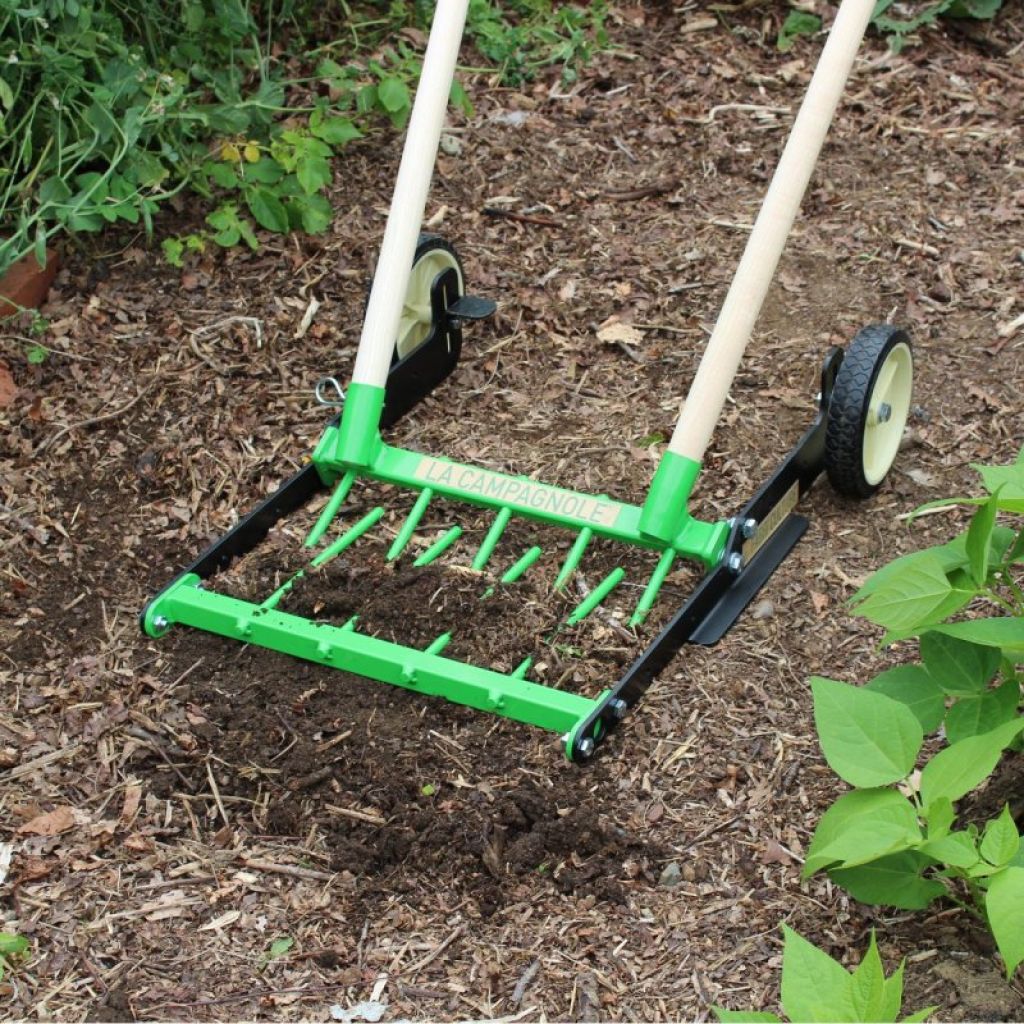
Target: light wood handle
739 312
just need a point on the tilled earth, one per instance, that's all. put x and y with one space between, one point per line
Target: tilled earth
177 806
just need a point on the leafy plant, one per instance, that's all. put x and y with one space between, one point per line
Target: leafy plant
898 28
895 839
277 949
10 945
797 23
817 988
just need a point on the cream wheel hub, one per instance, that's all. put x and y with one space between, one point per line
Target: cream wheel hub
888 407
417 315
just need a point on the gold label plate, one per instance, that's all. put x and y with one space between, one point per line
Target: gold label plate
771 522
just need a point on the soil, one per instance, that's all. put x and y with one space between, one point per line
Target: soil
177 806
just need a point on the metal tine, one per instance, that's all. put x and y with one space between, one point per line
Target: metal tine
596 596
519 568
490 542
331 509
438 644
574 556
439 547
349 537
409 526
650 594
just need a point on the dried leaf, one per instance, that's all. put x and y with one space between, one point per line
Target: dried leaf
60 819
611 333
8 389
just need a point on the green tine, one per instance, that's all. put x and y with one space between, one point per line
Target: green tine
331 508
275 598
492 538
349 537
650 593
596 596
439 644
522 669
515 571
439 547
410 524
574 556
350 626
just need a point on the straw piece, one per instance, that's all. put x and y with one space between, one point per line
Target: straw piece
650 594
331 508
574 556
439 547
490 542
515 571
596 596
410 524
349 537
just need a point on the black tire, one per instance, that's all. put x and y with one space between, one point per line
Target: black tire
426 245
849 416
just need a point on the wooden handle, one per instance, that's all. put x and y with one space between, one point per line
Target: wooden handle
739 312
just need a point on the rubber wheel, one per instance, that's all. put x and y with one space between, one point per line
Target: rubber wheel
433 256
868 410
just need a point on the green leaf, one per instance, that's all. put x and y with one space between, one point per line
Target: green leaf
940 816
174 251
975 715
893 881
960 667
315 213
337 131
892 998
12 945
913 686
267 209
994 632
279 947
919 1016
957 849
904 600
1000 842
459 98
1004 907
222 173
797 23
960 767
814 986
428 789
742 1016
313 172
393 95
862 826
266 171
867 987
36 354
981 9
867 738
979 535
1007 480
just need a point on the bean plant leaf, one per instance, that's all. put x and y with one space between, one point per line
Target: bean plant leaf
913 686
960 767
744 1016
1004 907
904 600
893 995
267 209
336 131
1006 484
862 826
894 881
940 816
979 536
867 738
957 849
1006 632
814 986
393 95
1000 841
975 715
960 667
867 987
920 1016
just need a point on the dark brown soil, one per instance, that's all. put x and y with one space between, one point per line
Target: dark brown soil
212 798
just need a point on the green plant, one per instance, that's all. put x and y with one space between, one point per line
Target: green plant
797 23
817 988
894 839
898 28
10 945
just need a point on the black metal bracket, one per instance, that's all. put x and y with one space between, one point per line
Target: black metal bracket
725 592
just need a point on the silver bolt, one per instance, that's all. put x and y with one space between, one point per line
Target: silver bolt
735 562
586 746
160 622
749 528
619 707
884 412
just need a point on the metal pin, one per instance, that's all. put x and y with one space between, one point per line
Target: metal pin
490 542
596 596
331 508
349 537
410 524
574 556
650 594
439 547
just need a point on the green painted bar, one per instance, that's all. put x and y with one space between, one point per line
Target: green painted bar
331 508
573 558
515 571
439 547
596 596
483 556
481 688
650 594
350 536
438 644
410 524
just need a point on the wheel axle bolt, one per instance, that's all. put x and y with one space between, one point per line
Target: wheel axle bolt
160 622
735 562
749 528
619 707
884 412
586 746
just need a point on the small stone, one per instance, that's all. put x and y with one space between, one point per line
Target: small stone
939 292
450 145
671 875
763 610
